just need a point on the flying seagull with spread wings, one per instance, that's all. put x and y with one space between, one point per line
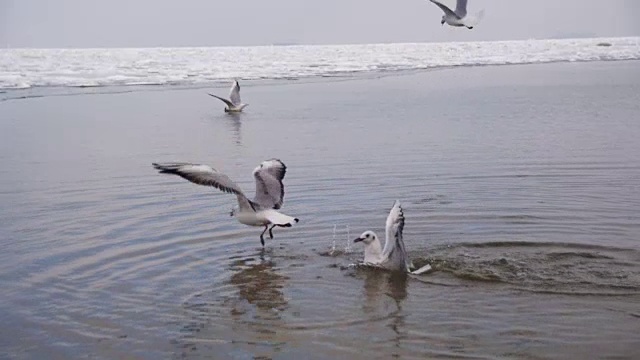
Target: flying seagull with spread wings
234 104
459 16
261 211
393 256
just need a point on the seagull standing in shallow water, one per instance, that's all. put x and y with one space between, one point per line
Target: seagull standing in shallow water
261 211
234 104
459 16
393 256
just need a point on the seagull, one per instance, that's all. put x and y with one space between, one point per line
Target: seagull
261 211
393 256
234 104
457 17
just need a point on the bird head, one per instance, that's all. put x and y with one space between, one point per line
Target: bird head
367 237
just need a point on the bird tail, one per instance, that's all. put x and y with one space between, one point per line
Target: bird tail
422 270
473 20
280 219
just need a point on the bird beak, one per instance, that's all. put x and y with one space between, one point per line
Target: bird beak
357 240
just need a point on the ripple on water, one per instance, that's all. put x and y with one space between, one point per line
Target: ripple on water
105 257
572 269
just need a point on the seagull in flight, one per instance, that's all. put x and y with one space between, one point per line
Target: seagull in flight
234 104
393 256
459 16
262 210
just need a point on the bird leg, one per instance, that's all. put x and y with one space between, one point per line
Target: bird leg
270 232
262 235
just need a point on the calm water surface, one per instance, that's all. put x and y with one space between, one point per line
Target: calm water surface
521 186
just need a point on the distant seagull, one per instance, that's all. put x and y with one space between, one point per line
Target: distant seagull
393 256
261 211
459 16
234 104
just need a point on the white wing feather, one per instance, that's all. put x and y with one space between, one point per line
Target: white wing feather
269 187
394 253
461 8
234 94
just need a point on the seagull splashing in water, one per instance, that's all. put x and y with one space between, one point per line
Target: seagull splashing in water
394 255
234 104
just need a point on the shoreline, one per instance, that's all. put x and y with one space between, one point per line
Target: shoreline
52 91
311 45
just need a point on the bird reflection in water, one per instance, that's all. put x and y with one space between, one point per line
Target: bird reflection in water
259 286
381 286
384 292
233 119
255 301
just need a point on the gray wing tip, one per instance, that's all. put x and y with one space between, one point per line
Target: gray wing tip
283 169
400 216
163 168
216 96
278 160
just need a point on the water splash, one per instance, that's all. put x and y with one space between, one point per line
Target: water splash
333 250
347 248
333 240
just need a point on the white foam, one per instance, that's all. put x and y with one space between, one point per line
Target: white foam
23 68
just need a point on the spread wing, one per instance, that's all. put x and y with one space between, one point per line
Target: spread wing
201 175
229 104
394 254
461 8
234 94
444 8
269 187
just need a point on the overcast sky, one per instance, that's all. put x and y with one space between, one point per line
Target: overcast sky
149 23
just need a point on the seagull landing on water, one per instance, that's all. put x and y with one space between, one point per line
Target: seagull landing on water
261 211
459 16
393 256
234 104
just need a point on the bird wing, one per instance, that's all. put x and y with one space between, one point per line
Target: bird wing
234 94
201 175
394 254
444 8
269 187
461 8
229 104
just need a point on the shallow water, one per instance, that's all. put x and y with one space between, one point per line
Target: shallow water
519 184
